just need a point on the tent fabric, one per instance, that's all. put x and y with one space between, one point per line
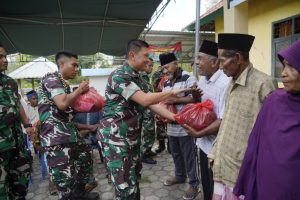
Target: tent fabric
85 27
35 69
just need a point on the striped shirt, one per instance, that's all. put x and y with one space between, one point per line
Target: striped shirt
243 101
215 90
184 80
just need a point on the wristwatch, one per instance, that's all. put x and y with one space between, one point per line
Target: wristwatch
27 125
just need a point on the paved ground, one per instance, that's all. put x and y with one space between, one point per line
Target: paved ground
152 187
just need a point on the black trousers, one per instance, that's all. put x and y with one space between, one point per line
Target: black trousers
206 177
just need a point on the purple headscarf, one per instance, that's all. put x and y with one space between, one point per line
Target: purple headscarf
291 55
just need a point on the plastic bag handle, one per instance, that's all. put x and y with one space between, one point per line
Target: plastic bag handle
206 104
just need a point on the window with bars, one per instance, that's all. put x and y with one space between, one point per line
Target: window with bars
285 32
283 29
297 25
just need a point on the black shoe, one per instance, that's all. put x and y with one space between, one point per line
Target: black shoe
149 160
161 147
150 153
79 193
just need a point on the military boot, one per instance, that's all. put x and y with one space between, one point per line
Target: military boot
150 153
79 193
161 146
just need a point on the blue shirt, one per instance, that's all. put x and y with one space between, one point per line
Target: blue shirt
88 118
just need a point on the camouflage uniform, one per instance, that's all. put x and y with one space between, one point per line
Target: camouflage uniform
120 132
14 158
68 157
148 130
161 127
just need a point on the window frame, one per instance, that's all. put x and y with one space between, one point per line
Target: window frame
292 39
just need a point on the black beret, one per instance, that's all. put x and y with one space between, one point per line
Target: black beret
209 47
235 41
166 58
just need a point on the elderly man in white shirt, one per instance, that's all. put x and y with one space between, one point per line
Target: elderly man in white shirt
213 84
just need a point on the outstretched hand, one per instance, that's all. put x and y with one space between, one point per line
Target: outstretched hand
175 92
172 100
196 92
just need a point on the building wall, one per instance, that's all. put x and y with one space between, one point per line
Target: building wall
219 26
236 18
261 15
99 83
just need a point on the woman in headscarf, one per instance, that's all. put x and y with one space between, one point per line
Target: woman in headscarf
271 166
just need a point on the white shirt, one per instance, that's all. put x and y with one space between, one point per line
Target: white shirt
185 81
33 114
215 90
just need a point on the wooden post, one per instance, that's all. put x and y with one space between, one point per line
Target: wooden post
19 81
32 83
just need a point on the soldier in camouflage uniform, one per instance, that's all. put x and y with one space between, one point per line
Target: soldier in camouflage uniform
148 127
120 128
14 158
68 157
161 127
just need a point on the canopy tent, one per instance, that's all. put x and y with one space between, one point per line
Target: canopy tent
34 70
85 27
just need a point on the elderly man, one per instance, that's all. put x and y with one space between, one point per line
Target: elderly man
245 94
14 158
213 84
66 152
181 144
120 128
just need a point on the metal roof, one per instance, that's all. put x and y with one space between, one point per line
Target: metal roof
42 27
35 69
187 39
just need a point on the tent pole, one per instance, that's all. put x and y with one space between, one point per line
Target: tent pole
197 31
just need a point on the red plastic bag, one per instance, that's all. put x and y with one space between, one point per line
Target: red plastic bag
90 101
198 116
161 83
172 108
